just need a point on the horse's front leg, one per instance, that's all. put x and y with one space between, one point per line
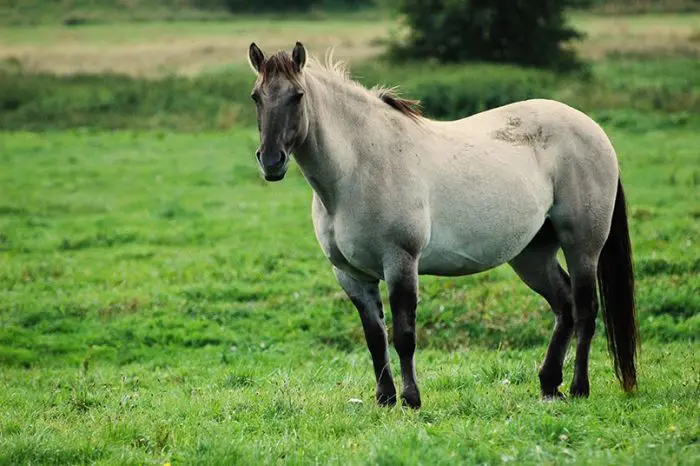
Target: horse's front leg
401 275
366 298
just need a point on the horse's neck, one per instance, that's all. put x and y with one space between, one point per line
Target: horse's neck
340 134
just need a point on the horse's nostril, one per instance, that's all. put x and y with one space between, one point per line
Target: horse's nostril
271 160
280 160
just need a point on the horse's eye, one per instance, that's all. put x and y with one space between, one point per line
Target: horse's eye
296 98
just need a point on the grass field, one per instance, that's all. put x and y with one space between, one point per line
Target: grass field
159 303
157 48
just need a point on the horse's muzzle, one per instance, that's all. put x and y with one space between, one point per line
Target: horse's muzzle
276 177
273 166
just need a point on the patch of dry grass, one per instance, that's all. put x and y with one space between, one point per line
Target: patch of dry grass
156 49
618 7
642 35
153 49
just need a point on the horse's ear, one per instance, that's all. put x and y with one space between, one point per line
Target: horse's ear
255 58
299 56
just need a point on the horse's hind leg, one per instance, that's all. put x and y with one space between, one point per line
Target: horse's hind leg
366 298
583 277
582 241
538 267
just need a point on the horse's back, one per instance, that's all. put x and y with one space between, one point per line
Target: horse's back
539 136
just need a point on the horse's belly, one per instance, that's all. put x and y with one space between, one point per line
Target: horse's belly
469 241
483 216
453 253
448 263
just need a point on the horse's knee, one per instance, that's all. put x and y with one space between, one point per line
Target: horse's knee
565 317
403 299
585 310
585 328
585 300
405 341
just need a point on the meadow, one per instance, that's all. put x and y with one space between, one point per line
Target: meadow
160 47
160 303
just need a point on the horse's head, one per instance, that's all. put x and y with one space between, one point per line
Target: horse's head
279 101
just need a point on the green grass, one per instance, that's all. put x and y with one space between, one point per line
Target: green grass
639 94
159 303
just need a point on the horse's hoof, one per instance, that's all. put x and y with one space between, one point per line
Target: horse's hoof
552 395
549 384
386 399
580 390
411 398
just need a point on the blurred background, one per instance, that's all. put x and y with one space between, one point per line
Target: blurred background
180 64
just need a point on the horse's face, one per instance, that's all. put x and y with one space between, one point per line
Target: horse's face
279 101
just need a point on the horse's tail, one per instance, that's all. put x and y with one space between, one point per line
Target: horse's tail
616 285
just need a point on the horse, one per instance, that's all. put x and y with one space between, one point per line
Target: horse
397 195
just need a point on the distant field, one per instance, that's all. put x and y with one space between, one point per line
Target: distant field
191 47
158 303
187 47
646 36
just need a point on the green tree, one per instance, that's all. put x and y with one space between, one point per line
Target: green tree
524 32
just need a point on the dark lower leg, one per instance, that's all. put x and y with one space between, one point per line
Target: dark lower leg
551 373
368 301
376 337
403 299
585 311
552 283
584 335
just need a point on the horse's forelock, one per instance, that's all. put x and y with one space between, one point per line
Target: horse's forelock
279 64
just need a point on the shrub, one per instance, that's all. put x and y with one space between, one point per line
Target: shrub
509 31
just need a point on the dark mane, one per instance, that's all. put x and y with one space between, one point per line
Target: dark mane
409 107
281 63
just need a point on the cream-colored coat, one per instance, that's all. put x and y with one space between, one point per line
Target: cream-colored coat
397 195
465 195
